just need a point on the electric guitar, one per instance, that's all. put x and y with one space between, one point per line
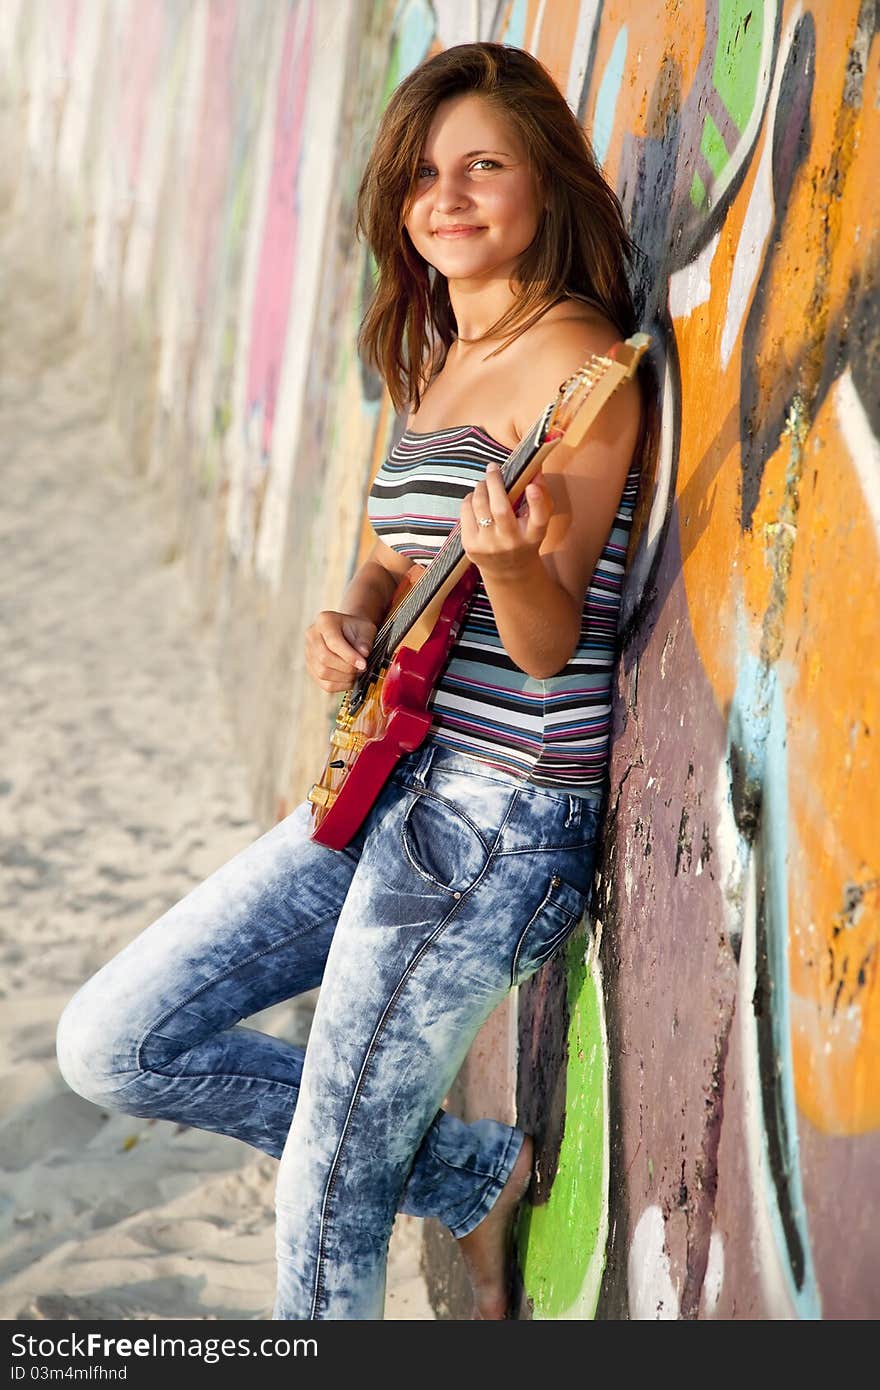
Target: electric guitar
385 713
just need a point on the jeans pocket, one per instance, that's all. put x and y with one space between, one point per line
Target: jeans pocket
442 844
556 917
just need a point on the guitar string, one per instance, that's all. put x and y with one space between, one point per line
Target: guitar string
451 551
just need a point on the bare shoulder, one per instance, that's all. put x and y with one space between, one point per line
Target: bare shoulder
555 348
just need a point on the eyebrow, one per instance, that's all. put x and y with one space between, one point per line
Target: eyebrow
470 154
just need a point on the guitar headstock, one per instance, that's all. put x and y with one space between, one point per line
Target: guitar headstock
598 371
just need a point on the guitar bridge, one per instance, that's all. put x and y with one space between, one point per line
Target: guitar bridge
346 739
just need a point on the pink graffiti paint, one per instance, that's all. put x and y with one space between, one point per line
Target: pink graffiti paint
213 146
139 60
277 257
68 32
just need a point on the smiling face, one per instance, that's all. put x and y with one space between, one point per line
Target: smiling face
477 204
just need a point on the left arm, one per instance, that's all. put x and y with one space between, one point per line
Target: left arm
536 569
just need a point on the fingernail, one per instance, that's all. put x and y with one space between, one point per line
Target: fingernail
492 467
361 665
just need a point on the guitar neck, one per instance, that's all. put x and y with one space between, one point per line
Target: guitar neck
418 611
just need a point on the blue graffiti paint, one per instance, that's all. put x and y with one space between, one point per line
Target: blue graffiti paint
606 99
757 746
515 28
414 27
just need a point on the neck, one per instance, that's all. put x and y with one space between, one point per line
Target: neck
477 307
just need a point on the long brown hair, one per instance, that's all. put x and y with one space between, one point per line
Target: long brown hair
581 245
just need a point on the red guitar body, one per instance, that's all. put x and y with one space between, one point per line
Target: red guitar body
392 719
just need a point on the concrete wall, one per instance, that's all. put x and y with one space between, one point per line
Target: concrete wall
701 1069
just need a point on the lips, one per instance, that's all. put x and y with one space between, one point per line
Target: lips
463 231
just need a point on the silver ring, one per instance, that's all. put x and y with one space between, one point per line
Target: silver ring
484 520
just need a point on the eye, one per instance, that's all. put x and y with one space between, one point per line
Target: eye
424 171
493 163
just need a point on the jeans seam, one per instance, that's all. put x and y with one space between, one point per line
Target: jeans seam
355 1101
549 946
494 1176
218 1076
459 1167
199 1076
435 883
451 806
215 979
547 792
546 849
371 1048
416 868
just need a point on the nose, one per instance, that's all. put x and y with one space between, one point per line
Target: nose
450 193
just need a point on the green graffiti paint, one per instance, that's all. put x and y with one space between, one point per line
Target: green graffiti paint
736 72
393 74
736 79
712 146
562 1243
413 30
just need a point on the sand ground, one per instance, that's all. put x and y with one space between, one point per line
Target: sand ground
120 788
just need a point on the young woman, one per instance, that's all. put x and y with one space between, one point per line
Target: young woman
501 258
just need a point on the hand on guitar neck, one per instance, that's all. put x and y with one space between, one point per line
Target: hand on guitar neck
337 647
338 643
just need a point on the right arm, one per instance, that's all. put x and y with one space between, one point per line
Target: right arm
337 643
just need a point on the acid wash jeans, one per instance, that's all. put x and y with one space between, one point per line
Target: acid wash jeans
462 881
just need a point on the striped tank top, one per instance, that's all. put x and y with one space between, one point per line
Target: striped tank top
554 732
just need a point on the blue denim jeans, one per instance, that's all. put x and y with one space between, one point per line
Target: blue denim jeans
462 881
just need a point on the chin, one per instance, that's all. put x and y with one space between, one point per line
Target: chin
464 260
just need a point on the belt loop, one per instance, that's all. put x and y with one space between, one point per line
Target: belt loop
574 809
424 765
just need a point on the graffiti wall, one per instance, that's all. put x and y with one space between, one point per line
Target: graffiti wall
738 903
701 1068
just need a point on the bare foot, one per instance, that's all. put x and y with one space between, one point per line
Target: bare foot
487 1249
